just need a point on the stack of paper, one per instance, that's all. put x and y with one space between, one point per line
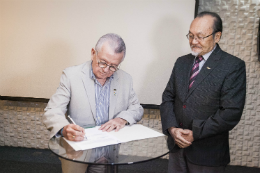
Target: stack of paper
97 138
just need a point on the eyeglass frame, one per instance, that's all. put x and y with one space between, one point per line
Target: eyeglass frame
110 66
199 38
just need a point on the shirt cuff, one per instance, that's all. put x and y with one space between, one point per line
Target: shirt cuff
59 133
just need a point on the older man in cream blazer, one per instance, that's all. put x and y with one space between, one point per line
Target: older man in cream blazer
96 92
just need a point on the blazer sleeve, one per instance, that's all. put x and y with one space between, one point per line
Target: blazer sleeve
134 111
232 102
167 107
54 116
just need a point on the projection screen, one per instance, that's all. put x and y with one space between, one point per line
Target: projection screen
40 38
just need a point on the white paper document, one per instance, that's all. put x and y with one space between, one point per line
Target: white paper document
97 138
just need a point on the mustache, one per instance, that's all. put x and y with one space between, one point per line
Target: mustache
195 46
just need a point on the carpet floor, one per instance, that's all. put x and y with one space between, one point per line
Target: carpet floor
27 160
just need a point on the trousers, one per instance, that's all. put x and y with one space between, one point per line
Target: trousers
179 164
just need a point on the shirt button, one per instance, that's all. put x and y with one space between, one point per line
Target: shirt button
184 106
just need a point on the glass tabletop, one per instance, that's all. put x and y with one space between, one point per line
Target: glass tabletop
119 154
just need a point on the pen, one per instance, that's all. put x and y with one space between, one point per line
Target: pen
74 123
71 120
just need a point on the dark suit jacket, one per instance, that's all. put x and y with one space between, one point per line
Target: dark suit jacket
211 108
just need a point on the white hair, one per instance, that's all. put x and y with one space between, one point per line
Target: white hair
114 41
195 53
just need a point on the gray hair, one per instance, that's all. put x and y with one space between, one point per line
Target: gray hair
115 42
217 24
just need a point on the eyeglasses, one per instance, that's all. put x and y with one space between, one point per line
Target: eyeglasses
104 65
191 37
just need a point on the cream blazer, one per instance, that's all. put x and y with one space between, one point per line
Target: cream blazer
76 97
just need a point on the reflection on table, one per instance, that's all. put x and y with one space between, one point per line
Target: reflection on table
99 159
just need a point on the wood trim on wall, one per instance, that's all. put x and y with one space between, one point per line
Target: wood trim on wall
44 100
196 8
24 99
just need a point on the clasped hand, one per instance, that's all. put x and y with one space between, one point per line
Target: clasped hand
183 138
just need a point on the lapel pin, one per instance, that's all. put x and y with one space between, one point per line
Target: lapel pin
208 68
114 92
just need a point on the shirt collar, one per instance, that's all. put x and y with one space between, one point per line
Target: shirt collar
206 56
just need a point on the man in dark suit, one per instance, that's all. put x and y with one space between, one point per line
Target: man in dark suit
203 101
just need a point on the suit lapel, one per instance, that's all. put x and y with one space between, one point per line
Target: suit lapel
207 68
89 87
186 76
113 95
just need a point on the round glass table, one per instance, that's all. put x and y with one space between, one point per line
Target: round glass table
107 159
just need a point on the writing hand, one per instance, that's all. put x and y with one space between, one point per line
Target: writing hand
73 132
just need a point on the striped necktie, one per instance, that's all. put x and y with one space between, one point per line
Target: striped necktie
195 70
